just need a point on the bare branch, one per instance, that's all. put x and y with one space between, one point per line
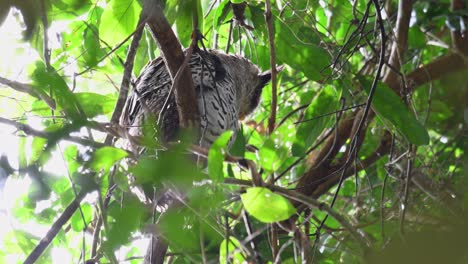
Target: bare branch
434 70
401 40
37 133
54 229
271 41
26 88
173 56
127 75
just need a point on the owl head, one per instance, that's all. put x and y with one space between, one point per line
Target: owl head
248 79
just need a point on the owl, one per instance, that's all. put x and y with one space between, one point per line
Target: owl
227 87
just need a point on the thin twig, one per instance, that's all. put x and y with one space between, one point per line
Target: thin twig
140 26
311 203
404 204
355 140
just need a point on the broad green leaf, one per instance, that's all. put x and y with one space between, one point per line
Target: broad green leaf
304 55
231 251
49 81
124 219
78 221
314 123
172 165
105 157
205 198
222 12
60 185
390 106
267 206
216 156
119 20
144 53
94 104
181 12
22 240
180 228
269 156
68 9
91 46
38 146
238 147
70 155
184 22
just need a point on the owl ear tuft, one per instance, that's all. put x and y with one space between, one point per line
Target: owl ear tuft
265 76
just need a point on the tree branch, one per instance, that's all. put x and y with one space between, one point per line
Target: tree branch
434 70
26 88
128 67
127 75
271 41
55 228
401 41
459 39
173 56
37 133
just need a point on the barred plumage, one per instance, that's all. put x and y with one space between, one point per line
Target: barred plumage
227 87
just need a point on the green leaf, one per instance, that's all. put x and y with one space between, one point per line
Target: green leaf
119 20
302 55
70 155
216 156
172 165
80 222
390 106
180 228
105 157
231 251
91 46
184 23
38 147
68 9
238 147
314 123
267 206
125 218
222 12
94 104
48 80
269 156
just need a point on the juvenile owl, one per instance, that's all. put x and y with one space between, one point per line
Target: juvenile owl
227 87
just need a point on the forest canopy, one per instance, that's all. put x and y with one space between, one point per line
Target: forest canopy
354 155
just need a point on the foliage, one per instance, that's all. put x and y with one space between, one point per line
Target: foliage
396 177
